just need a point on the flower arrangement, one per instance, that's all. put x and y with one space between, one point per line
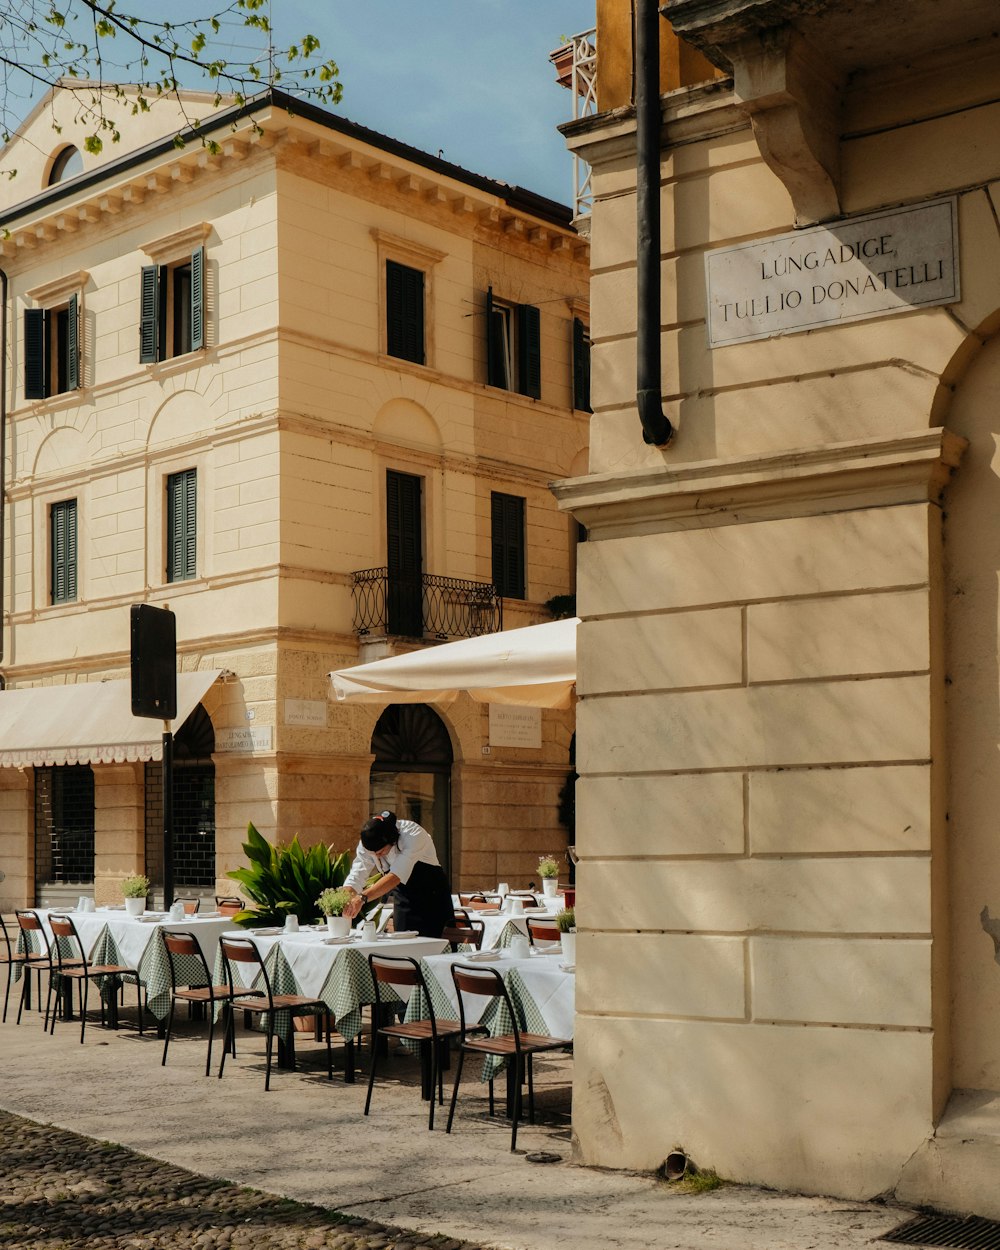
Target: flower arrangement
566 920
548 867
333 901
135 886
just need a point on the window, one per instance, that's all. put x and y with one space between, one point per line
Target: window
64 824
507 530
62 529
172 308
581 366
52 349
182 525
404 307
513 347
67 164
404 554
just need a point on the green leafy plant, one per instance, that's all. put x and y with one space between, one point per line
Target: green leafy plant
548 867
333 901
286 880
135 886
566 920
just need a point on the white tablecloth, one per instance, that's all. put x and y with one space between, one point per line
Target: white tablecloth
551 988
133 936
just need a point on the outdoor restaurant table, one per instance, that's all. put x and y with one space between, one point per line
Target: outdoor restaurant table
542 993
110 936
304 963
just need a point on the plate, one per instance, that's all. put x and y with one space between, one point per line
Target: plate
336 941
404 933
483 957
149 919
264 932
568 967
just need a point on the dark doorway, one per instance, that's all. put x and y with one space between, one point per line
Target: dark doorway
411 775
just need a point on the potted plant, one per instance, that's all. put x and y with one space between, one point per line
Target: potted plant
135 889
284 880
332 903
548 870
566 924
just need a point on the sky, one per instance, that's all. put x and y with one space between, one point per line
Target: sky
471 77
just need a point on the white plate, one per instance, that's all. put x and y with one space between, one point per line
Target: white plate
568 967
405 933
264 932
336 941
483 957
149 919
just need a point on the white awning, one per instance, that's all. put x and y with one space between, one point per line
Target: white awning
530 667
88 723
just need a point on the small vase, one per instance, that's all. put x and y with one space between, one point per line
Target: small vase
338 926
135 906
550 886
568 943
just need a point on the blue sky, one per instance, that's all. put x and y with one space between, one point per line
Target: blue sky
471 77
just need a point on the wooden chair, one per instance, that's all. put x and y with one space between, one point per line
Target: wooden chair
263 1002
180 943
470 934
541 931
228 906
78 968
40 961
516 1047
191 904
430 1033
474 900
12 958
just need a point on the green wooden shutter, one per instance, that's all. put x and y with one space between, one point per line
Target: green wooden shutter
507 533
63 526
149 315
493 346
182 525
404 305
197 299
581 366
529 351
35 352
73 343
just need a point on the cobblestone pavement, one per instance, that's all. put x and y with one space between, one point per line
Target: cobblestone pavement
60 1191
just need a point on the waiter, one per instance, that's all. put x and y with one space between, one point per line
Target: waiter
404 853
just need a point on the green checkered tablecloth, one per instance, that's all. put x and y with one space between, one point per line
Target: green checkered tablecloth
347 989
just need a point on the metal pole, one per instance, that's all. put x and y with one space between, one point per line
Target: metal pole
168 818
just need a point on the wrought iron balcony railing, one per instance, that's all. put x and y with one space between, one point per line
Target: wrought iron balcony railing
424 607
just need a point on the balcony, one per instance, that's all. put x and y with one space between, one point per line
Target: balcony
439 608
575 63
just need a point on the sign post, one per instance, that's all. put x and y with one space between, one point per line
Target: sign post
154 694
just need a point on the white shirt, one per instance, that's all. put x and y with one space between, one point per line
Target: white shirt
414 846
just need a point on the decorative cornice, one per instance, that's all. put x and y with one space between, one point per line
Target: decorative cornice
51 293
836 477
180 243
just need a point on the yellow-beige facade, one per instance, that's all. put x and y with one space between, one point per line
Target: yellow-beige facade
788 661
263 431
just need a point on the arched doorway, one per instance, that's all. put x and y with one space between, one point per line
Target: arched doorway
411 774
194 808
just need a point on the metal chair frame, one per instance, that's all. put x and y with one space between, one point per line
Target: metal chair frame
430 1033
229 905
469 934
521 1047
81 970
28 922
12 958
264 1002
183 942
191 903
542 930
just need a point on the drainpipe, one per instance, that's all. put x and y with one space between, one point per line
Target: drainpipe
656 428
4 285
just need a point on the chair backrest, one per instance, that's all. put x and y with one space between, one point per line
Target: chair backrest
399 970
228 906
66 943
482 983
470 934
467 900
30 922
6 939
462 918
179 942
243 951
190 904
543 931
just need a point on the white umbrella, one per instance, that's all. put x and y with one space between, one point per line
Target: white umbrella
530 667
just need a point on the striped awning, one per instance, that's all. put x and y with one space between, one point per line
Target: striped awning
88 723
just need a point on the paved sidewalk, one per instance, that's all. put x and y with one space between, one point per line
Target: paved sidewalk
307 1140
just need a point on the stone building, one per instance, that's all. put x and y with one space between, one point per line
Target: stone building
788 662
307 386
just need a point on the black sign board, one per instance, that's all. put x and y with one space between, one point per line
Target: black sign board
154 662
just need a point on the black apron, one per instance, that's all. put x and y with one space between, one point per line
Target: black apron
424 902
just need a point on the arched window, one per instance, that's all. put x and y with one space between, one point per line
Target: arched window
194 807
411 774
67 164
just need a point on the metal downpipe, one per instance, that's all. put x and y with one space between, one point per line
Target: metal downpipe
4 289
656 428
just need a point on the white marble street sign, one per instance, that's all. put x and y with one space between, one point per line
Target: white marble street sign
863 267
